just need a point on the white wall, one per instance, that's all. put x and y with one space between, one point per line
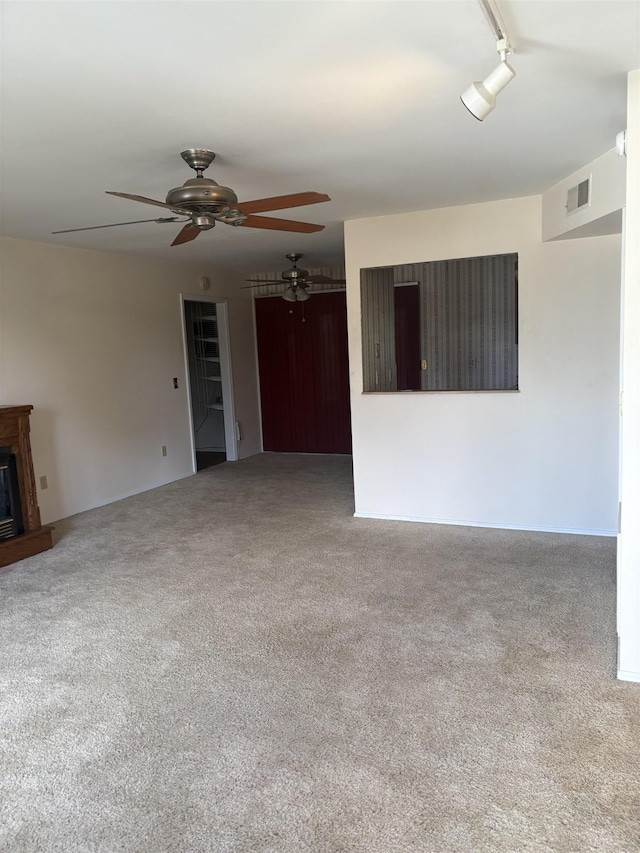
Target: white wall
603 214
93 340
629 539
544 457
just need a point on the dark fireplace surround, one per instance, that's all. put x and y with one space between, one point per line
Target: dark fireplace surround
10 507
21 533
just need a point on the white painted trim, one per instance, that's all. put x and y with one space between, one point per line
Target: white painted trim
187 374
623 675
628 568
570 530
255 350
228 413
226 371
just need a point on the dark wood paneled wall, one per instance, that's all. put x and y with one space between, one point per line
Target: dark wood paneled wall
304 374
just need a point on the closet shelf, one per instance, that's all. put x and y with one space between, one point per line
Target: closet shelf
218 406
208 358
205 338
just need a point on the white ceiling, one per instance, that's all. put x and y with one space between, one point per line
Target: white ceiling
355 98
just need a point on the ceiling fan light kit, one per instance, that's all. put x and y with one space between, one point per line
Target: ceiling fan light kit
298 281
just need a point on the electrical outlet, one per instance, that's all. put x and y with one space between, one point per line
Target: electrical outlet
164 449
44 483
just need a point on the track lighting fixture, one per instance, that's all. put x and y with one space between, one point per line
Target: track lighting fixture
480 97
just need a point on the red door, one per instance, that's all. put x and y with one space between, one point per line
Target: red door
304 374
406 301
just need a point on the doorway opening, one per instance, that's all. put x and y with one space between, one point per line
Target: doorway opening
209 383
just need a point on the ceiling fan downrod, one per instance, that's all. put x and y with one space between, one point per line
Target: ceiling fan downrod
198 158
294 274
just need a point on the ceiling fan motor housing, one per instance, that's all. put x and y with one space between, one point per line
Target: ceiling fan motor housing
202 195
203 198
295 275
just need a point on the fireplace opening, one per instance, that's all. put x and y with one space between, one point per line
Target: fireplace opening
10 511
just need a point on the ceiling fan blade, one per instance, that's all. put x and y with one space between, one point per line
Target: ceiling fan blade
140 198
280 202
116 224
260 283
323 279
280 224
188 233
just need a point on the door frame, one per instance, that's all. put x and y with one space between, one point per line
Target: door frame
228 412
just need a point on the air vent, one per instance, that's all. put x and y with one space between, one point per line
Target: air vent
7 528
579 196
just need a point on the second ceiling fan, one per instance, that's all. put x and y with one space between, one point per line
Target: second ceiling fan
204 202
298 281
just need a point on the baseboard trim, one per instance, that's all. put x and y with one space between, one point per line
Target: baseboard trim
141 491
570 530
624 675
116 498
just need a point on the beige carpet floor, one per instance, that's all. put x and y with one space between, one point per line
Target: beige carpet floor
233 662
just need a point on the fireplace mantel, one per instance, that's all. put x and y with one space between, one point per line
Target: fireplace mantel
14 433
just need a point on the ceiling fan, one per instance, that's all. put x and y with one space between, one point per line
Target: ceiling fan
204 202
298 281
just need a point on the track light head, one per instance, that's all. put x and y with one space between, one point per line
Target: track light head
480 97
